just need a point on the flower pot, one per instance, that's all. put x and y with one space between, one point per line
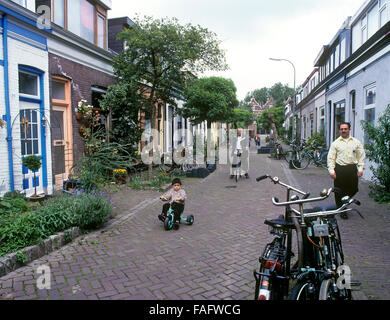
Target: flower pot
120 179
37 197
79 116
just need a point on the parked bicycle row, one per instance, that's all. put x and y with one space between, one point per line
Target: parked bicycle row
320 271
300 154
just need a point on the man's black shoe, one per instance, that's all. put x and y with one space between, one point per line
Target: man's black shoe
246 175
161 217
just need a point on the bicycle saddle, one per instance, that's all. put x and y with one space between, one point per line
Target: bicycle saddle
324 207
280 223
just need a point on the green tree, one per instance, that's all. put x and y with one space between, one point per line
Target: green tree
210 99
160 58
260 95
378 151
32 163
280 93
241 118
121 100
272 118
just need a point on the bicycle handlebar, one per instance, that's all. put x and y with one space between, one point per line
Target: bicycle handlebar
276 202
276 180
342 209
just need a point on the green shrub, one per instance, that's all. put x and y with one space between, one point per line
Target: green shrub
15 205
14 195
91 211
378 152
86 211
317 139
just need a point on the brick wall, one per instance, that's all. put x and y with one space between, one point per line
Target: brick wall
82 79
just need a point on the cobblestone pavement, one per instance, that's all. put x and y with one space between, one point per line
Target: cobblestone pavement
133 257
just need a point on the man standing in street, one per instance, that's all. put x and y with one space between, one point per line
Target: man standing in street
240 150
346 164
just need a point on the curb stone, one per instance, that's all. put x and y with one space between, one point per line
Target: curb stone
9 263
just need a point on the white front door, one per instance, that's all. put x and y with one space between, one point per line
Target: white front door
62 151
30 136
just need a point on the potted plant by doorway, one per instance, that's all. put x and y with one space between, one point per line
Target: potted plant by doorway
120 175
33 163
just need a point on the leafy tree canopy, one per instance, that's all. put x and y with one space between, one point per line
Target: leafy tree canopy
163 55
264 120
212 99
242 118
278 92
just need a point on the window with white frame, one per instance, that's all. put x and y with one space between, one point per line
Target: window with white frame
339 117
82 17
311 124
337 56
363 26
322 118
28 84
372 21
356 37
383 13
342 50
331 67
29 135
369 106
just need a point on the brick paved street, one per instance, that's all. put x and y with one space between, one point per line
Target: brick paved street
135 258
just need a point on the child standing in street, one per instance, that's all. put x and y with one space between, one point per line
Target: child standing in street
176 198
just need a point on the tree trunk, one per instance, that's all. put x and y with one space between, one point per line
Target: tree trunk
273 126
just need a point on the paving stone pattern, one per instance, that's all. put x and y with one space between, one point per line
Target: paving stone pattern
133 257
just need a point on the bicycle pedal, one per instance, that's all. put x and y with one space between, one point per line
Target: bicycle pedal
355 285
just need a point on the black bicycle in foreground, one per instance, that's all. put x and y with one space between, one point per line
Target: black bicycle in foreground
319 272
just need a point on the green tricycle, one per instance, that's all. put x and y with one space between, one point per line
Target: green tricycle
170 223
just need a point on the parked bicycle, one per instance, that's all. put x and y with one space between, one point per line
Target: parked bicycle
279 153
304 154
187 162
319 269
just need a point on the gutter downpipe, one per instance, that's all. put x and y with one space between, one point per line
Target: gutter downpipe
7 103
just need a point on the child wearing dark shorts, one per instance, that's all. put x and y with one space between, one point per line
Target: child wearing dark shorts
176 198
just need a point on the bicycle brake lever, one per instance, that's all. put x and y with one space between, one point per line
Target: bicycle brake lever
307 195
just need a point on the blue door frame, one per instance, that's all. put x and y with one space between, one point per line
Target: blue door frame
43 121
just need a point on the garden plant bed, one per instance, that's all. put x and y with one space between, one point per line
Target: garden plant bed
12 261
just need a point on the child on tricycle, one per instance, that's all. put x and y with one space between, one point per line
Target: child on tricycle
172 211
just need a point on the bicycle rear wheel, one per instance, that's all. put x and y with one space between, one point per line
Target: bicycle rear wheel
301 161
288 156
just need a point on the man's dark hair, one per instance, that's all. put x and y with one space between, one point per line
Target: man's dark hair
176 180
347 123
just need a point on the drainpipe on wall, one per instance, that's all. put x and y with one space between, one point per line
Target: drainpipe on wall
7 103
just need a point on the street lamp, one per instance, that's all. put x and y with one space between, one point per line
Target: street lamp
273 59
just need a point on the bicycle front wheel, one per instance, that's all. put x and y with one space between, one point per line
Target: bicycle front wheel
304 290
301 161
329 291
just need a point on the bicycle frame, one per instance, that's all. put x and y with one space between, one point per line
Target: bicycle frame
314 262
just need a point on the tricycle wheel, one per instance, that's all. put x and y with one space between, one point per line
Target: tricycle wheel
168 224
176 226
190 219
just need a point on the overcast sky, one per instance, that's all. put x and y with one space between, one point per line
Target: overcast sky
252 31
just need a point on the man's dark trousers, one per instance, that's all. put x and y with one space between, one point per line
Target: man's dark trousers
347 181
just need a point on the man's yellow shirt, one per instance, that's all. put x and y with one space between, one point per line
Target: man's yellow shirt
345 152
